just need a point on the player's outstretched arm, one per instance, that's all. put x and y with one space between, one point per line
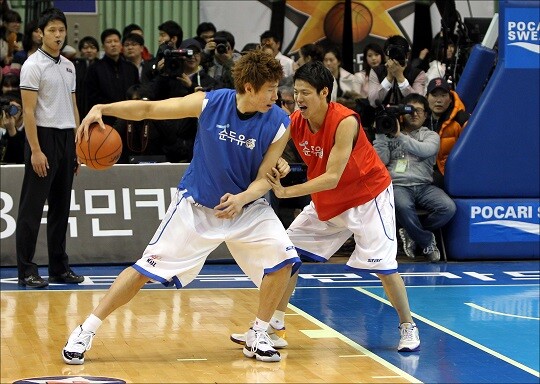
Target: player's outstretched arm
174 108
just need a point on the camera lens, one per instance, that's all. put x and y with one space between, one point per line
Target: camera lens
221 49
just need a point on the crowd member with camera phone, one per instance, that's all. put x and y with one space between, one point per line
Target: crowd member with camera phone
408 149
396 78
12 133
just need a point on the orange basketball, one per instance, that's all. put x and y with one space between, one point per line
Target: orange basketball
103 148
362 21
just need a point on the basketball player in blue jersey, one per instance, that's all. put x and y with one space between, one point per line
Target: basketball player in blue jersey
240 137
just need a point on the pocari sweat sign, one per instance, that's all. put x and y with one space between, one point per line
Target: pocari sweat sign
522 37
505 222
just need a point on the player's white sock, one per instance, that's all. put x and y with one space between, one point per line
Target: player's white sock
260 325
278 320
92 323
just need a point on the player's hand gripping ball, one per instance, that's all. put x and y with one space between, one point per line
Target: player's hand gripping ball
103 148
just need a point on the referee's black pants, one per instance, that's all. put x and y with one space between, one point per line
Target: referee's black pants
59 147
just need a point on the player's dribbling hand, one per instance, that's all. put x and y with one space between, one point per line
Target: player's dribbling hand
94 115
229 207
274 181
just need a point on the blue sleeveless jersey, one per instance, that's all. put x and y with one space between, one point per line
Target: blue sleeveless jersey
228 151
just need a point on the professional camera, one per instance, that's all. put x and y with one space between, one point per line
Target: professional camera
386 118
221 45
398 53
174 59
9 109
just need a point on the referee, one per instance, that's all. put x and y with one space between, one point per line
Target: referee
50 119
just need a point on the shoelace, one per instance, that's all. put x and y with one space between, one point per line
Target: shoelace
85 338
408 333
429 249
261 338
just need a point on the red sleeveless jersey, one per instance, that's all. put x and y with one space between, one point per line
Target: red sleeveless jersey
364 177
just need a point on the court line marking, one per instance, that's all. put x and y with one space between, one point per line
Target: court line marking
191 359
355 345
480 308
456 335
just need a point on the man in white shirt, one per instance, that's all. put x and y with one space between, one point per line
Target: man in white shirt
272 40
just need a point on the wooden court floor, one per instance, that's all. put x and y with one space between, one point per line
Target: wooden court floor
169 336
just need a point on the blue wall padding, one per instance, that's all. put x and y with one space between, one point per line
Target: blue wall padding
475 74
498 153
493 238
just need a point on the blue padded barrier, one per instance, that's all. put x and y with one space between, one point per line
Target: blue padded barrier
475 74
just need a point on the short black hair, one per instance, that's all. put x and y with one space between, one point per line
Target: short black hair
205 27
130 28
108 32
172 28
11 16
317 75
88 40
416 98
397 40
51 14
134 37
271 35
312 50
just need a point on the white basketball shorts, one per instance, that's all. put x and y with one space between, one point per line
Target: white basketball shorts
373 225
189 232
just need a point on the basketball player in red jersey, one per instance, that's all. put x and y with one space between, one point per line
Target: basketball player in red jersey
351 193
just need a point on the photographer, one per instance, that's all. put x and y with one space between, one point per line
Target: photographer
182 73
12 133
170 37
396 78
224 56
409 155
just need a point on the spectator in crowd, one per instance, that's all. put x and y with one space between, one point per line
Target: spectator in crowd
443 62
31 42
10 36
224 57
448 118
306 53
348 85
170 37
273 40
396 78
135 28
410 156
372 57
89 50
10 83
12 133
205 36
133 45
108 79
250 47
162 140
50 119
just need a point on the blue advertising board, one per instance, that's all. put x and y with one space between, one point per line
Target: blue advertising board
78 6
